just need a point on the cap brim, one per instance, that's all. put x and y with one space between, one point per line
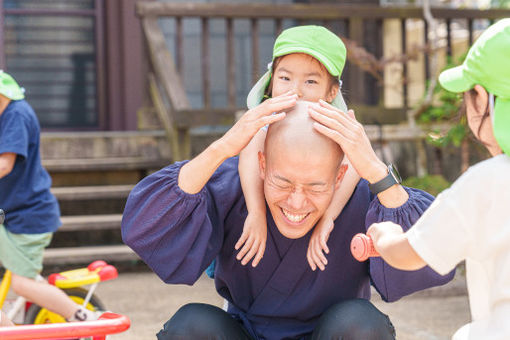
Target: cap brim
13 92
455 80
10 88
339 102
257 91
17 95
501 124
257 94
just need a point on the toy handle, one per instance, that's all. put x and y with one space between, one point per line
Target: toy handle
108 323
362 247
2 216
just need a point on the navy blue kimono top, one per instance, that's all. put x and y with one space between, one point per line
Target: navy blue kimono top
178 235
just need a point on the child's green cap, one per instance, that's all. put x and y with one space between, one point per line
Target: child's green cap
9 87
316 41
487 64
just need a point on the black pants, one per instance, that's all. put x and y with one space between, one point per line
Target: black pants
356 319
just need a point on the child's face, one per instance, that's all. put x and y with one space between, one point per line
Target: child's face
306 76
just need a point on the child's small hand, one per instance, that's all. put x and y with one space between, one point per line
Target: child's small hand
254 238
318 244
378 231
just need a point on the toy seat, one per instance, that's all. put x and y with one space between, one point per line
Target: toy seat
95 272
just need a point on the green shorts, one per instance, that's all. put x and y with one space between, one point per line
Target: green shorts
22 254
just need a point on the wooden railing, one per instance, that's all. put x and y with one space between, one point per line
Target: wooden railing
360 24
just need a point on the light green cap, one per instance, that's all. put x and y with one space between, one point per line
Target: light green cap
9 87
316 41
487 64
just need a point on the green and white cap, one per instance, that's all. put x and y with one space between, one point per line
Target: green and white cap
9 87
316 41
487 64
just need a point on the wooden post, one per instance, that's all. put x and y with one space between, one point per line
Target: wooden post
167 75
205 60
165 118
255 50
356 75
231 66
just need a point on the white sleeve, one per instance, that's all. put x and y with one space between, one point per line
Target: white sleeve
440 236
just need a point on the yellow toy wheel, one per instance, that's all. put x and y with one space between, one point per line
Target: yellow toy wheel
39 315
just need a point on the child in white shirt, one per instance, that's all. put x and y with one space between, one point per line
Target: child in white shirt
470 221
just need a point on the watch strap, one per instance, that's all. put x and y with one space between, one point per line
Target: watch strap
388 181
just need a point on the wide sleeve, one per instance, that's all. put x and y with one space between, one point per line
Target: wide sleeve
177 234
391 283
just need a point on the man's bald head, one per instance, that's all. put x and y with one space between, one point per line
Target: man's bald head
295 136
301 170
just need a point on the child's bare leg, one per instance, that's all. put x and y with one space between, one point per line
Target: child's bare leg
252 242
45 295
320 235
4 320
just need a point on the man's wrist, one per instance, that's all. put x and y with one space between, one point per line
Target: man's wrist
379 171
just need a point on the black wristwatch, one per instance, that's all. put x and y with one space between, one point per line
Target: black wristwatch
392 178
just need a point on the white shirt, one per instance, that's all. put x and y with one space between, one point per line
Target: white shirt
471 221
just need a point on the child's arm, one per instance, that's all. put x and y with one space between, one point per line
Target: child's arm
7 160
255 227
391 243
320 235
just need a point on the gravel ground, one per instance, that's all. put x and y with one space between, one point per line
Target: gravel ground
434 314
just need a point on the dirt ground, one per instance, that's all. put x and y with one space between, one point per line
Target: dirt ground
434 314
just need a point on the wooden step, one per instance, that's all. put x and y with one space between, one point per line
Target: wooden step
103 164
90 222
85 255
92 192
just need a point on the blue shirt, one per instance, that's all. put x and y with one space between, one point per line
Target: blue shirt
178 235
30 207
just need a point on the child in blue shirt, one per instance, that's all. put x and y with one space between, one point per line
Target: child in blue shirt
32 212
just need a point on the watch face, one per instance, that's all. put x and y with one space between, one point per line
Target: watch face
394 171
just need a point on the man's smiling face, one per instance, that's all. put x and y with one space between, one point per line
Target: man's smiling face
301 171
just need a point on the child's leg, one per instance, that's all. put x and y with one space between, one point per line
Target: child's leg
23 255
4 320
252 242
320 234
51 298
47 296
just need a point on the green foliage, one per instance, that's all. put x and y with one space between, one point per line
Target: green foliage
446 109
454 136
500 3
432 184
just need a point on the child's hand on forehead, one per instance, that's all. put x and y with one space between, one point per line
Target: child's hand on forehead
344 129
292 93
239 135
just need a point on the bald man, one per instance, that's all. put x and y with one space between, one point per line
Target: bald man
181 218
